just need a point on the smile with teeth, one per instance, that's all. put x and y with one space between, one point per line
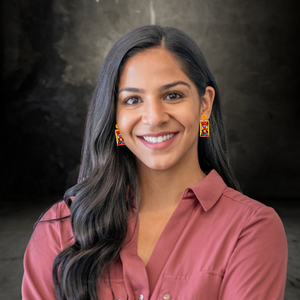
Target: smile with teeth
158 139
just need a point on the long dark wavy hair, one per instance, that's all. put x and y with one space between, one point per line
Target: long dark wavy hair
108 182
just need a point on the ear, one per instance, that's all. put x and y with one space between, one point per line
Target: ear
207 101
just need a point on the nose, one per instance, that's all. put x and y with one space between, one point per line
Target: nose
154 113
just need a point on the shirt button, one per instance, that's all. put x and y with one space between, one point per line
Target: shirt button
167 296
141 297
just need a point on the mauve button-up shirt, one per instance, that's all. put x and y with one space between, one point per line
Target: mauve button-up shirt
218 245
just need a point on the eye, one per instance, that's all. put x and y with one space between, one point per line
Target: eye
173 96
132 100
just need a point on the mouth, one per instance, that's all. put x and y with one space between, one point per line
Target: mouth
158 138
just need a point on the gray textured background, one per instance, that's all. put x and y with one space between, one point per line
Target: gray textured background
50 60
52 55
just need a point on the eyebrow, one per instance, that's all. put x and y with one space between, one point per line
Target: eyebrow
133 90
170 85
161 88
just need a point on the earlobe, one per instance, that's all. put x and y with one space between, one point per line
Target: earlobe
207 101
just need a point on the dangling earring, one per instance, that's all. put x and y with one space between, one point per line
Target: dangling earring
119 139
204 126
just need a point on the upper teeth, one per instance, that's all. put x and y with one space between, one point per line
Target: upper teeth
158 139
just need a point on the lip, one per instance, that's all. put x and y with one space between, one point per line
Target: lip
160 146
158 134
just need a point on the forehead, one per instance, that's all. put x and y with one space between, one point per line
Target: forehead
152 67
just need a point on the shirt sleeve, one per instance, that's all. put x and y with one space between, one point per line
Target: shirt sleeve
44 245
257 267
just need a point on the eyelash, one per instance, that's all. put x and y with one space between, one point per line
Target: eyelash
173 93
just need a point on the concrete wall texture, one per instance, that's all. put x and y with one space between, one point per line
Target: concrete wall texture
52 55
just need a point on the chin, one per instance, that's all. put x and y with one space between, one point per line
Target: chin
158 163
159 166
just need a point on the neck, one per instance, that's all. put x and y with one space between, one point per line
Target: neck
162 189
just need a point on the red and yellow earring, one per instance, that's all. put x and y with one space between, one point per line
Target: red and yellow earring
119 139
204 126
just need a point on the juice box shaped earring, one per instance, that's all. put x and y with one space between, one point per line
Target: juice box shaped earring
119 139
204 126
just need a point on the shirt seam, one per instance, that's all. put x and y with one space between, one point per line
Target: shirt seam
255 214
184 277
245 204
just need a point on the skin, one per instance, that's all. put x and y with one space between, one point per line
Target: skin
147 106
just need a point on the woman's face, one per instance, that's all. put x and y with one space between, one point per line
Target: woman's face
158 110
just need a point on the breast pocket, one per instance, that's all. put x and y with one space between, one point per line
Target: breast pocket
204 285
118 286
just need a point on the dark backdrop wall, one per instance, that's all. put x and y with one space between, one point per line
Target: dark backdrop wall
52 54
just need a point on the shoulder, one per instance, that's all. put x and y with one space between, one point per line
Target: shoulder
258 248
54 228
238 199
244 205
51 235
58 210
251 215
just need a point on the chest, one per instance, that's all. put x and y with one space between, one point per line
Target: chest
178 262
184 257
150 229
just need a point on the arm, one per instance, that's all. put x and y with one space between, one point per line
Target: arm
257 267
47 240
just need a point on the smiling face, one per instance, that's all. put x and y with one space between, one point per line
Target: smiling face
158 110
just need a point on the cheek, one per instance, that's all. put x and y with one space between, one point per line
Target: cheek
126 121
190 120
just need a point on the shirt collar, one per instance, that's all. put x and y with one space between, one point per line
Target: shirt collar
207 191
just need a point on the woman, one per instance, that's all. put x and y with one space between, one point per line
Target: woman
161 217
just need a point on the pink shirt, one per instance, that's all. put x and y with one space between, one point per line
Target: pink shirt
218 244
